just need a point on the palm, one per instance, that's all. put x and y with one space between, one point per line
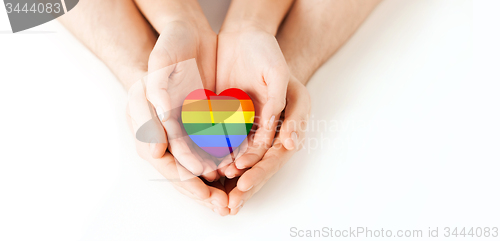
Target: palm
249 61
180 41
243 61
180 63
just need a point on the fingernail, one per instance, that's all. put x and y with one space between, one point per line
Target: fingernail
248 188
230 177
295 139
240 204
160 113
239 166
271 122
217 210
214 202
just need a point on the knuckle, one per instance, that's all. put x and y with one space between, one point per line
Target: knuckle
274 168
157 54
288 126
279 102
261 171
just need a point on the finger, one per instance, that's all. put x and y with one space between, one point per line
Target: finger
178 175
230 187
227 166
237 198
206 167
254 179
212 203
258 145
277 79
274 159
209 171
220 200
226 161
296 114
178 146
232 172
157 94
208 162
147 128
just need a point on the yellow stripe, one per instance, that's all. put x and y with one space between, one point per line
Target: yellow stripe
218 105
211 112
219 117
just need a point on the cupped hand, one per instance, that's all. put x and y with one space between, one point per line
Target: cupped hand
182 60
290 136
211 195
251 60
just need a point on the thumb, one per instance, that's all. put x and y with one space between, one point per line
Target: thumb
277 81
156 91
146 128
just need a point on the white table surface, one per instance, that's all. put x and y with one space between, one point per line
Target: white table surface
411 105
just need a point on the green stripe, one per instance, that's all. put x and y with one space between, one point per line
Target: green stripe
209 129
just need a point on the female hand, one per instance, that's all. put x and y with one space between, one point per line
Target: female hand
250 59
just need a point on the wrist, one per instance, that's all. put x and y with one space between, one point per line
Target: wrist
247 25
264 15
163 13
197 21
193 21
129 74
300 71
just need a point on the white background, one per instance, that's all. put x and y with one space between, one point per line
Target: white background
412 110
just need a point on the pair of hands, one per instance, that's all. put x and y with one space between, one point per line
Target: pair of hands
188 56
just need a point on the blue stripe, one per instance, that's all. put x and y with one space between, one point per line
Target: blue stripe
229 144
218 140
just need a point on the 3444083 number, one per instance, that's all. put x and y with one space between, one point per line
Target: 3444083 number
34 8
471 232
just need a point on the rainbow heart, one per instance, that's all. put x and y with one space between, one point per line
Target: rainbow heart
218 123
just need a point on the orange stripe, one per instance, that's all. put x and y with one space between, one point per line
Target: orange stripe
218 105
211 111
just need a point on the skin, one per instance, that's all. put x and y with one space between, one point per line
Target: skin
249 58
312 32
270 49
185 34
119 36
126 41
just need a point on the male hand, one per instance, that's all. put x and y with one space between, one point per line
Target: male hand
291 135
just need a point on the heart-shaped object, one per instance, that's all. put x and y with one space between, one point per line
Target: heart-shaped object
218 123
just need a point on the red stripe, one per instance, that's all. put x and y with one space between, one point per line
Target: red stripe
237 93
229 94
200 94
